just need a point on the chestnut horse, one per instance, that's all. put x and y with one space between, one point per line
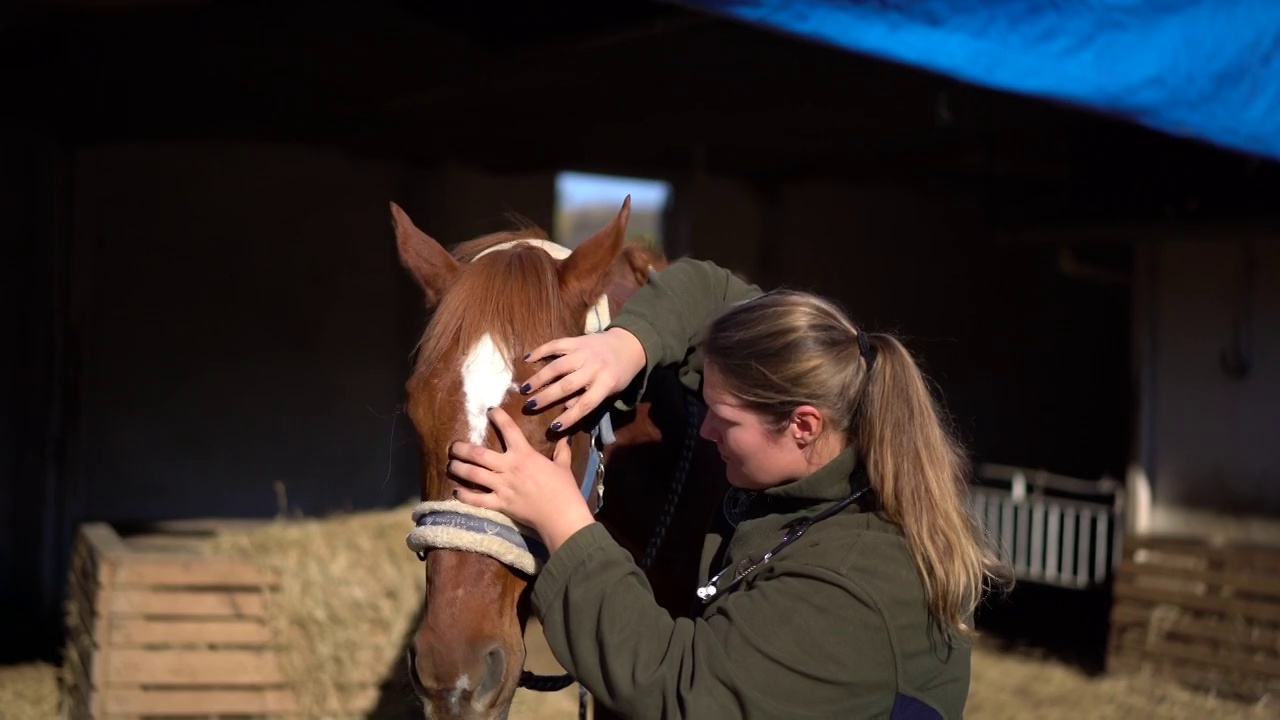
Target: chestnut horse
495 298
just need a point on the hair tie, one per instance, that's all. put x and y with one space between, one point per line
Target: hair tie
865 349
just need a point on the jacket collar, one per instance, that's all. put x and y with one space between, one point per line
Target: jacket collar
833 481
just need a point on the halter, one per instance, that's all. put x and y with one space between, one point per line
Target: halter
455 525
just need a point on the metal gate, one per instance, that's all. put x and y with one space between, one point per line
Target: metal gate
1052 529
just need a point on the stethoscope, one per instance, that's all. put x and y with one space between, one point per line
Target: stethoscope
709 591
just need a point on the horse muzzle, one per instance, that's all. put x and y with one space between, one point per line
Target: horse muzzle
480 687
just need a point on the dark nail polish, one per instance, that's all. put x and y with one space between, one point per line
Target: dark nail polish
555 426
569 442
525 388
531 405
455 493
526 357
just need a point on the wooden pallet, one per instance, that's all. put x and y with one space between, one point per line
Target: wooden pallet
1205 614
154 630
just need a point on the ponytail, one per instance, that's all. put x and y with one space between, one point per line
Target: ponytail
919 473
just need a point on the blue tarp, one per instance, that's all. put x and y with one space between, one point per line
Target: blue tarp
1206 69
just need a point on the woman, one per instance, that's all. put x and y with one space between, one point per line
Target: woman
846 584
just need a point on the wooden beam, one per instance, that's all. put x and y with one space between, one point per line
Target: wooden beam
462 79
116 4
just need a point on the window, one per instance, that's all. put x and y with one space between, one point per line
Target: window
586 202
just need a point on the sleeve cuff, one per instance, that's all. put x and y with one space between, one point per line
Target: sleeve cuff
652 344
576 552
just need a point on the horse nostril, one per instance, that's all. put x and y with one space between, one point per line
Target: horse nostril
411 656
495 667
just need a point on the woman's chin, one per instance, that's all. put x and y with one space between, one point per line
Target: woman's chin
737 479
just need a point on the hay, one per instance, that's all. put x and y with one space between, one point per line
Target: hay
349 594
1019 683
28 691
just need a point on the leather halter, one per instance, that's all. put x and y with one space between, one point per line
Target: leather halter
454 525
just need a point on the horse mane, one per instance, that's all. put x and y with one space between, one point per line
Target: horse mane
513 295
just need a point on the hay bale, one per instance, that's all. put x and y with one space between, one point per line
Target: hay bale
349 594
28 691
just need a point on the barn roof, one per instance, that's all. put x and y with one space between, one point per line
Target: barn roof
1208 69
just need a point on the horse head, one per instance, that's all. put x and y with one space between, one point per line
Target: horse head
494 299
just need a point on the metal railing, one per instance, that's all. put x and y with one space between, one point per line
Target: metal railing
1052 529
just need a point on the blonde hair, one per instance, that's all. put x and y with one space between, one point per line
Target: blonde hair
785 349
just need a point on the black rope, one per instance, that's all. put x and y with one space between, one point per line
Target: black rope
545 683
693 414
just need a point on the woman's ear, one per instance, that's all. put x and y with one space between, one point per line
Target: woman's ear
807 424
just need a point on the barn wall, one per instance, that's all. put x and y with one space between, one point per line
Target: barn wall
724 221
197 326
247 327
456 202
250 331
1215 462
251 326
32 366
1032 364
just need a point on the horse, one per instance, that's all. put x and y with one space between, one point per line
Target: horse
493 299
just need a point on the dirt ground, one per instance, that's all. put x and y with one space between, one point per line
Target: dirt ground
1006 685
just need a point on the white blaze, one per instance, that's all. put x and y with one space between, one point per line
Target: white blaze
486 380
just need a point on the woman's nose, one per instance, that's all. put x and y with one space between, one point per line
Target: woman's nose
706 430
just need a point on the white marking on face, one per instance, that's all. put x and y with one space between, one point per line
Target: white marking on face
454 698
486 380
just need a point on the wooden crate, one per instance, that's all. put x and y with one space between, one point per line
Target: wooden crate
155 630
1205 614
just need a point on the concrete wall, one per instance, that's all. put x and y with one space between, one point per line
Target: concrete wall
1212 451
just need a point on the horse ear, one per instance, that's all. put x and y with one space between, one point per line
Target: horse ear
429 263
640 262
585 273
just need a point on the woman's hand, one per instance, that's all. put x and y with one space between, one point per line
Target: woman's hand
522 483
599 365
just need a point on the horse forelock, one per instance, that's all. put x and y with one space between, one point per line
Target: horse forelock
512 296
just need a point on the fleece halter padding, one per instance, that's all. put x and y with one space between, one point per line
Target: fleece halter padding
455 525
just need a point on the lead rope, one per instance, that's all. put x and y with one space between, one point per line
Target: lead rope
693 413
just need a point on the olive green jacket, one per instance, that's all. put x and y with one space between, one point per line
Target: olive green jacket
834 626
